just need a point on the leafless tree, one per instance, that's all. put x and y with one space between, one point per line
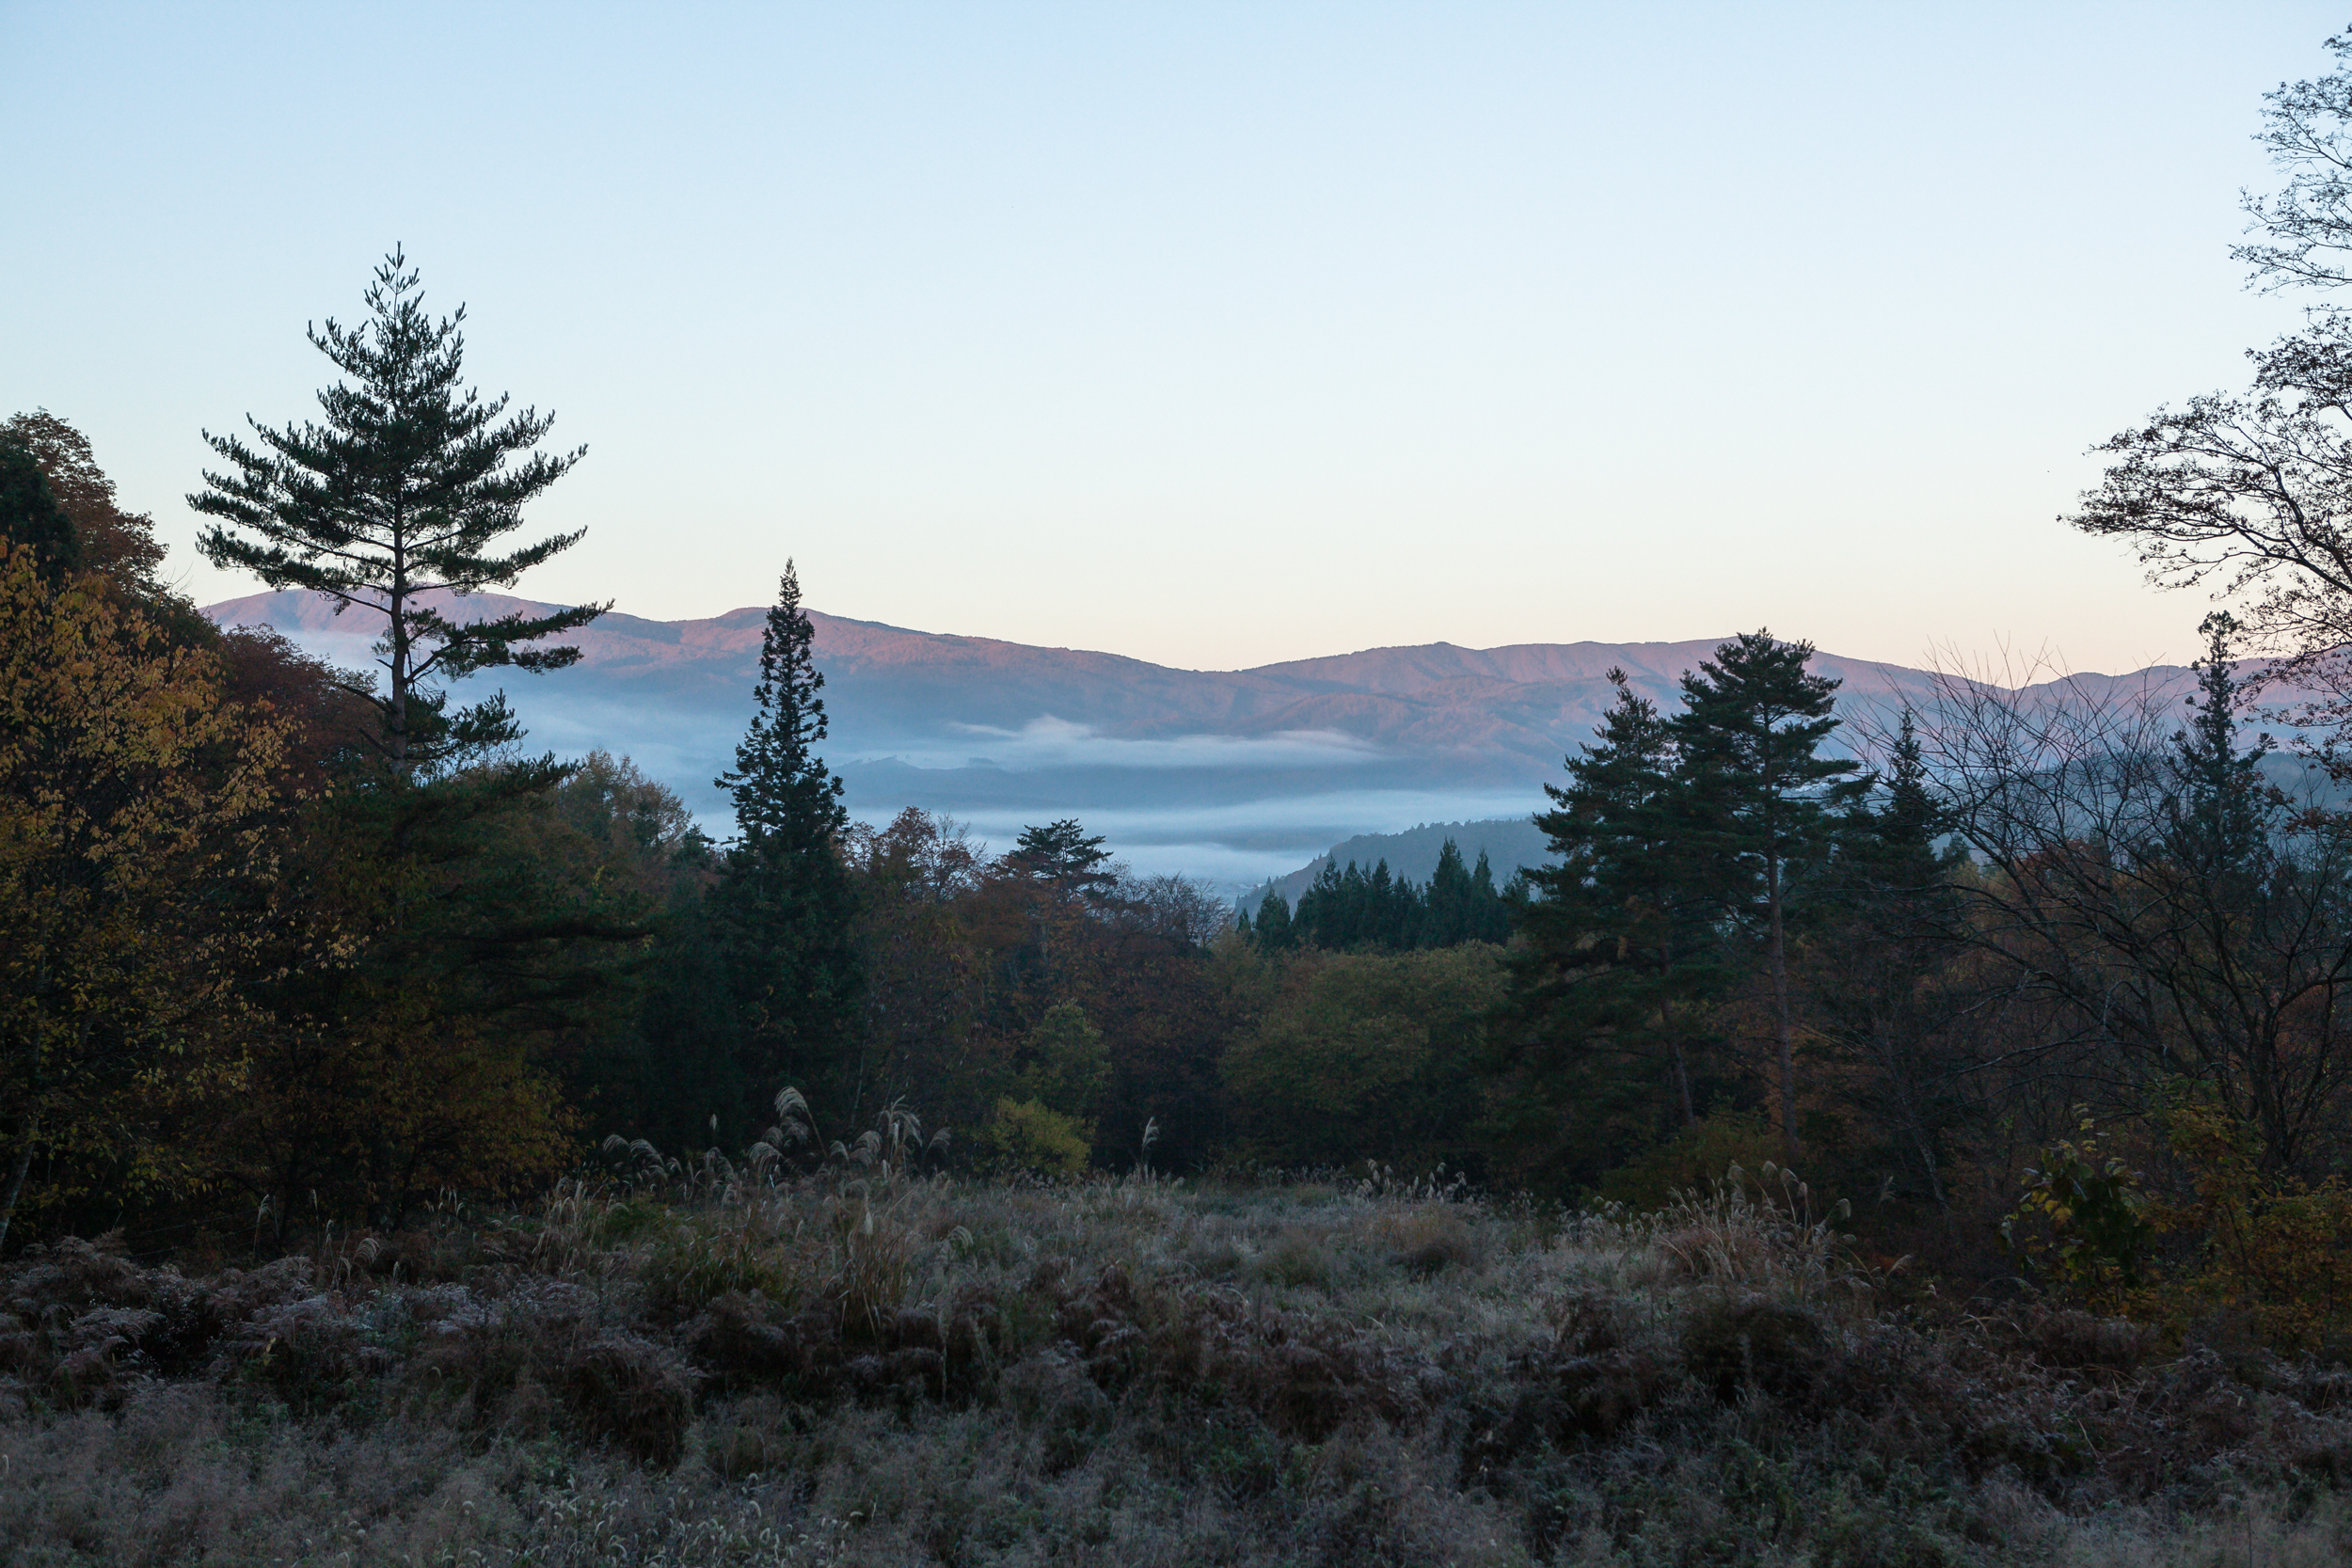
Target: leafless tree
2170 963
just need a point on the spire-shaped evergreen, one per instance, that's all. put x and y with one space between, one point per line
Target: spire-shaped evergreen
785 904
1272 927
780 786
2216 813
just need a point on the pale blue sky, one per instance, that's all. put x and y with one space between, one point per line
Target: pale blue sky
1209 333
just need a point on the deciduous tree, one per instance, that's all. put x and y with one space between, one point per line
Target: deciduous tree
2245 493
130 795
120 544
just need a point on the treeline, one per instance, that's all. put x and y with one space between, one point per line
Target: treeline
286 945
1355 909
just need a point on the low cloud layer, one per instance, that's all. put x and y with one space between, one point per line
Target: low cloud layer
1050 742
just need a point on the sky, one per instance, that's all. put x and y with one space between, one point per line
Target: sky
1209 333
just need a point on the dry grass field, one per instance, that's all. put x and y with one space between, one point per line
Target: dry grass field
1331 1372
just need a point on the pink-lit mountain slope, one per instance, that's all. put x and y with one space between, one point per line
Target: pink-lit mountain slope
892 686
1244 767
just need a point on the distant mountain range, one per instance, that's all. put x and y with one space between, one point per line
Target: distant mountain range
1236 776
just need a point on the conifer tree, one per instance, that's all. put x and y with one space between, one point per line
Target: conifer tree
1620 954
1273 929
785 903
404 491
1766 803
1062 853
1460 904
2217 813
1885 995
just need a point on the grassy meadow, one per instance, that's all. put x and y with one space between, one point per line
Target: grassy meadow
705 1368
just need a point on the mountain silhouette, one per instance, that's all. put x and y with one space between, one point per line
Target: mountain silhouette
1236 775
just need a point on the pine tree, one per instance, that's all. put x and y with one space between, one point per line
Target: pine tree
785 903
2216 813
1273 929
1766 805
404 492
1448 900
1490 919
1620 953
1319 919
1460 903
1062 853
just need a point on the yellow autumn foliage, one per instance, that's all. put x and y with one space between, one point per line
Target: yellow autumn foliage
131 796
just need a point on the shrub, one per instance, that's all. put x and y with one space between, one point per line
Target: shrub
1026 1136
639 1393
1697 1156
1053 1395
697 1259
2080 1223
2273 1250
1733 1341
1672 1388
1298 1258
1429 1239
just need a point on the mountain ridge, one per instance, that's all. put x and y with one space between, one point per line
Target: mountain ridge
1238 775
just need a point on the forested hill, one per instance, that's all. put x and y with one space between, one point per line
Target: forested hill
1508 843
1237 775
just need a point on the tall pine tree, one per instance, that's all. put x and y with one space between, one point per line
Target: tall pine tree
1766 803
785 904
403 494
1620 956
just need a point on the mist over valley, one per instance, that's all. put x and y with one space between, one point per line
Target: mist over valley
1233 777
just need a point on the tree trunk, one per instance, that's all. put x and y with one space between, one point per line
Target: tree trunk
1682 1073
397 596
16 1177
1922 1139
1777 959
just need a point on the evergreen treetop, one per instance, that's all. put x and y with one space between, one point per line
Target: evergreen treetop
1749 736
785 799
1620 951
2218 809
1765 804
402 491
1061 852
783 911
